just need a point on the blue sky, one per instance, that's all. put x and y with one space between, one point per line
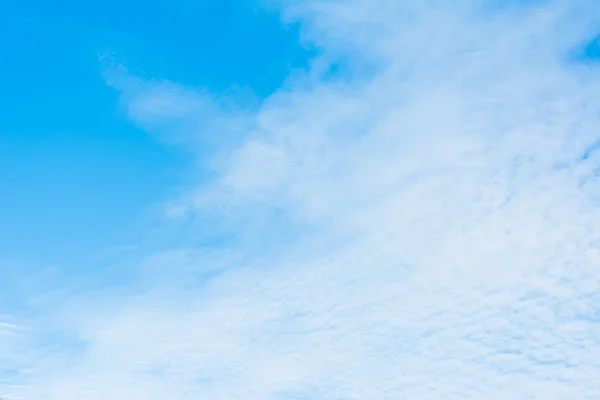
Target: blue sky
342 199
77 175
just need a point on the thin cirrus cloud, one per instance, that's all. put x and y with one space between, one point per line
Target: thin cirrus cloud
444 208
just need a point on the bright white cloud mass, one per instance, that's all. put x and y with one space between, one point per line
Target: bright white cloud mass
422 224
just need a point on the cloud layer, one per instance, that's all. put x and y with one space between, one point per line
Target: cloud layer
423 225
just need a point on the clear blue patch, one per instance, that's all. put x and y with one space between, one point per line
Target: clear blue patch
587 52
591 51
76 177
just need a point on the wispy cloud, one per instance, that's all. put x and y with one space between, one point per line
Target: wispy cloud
423 230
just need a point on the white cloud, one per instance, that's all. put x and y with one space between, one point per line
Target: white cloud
445 218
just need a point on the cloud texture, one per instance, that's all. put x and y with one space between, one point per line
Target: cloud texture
421 224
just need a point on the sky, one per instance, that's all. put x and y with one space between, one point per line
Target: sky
300 200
